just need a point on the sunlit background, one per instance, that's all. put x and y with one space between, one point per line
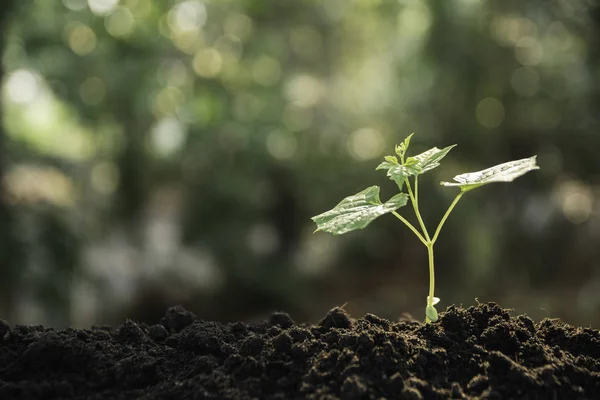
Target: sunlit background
172 152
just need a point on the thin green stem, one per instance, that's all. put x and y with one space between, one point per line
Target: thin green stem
425 238
439 228
413 200
431 275
412 228
417 188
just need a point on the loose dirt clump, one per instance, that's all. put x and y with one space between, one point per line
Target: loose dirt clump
476 353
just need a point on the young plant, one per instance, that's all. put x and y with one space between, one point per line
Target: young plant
359 210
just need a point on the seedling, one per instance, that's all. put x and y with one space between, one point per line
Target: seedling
358 211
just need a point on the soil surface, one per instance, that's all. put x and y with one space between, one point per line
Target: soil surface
476 353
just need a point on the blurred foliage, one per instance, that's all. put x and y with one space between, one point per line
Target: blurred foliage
174 151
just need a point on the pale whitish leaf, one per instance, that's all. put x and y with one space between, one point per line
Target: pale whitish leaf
506 172
435 300
357 211
428 160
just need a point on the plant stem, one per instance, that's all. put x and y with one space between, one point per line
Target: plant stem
431 274
417 188
415 204
439 228
412 228
429 245
425 239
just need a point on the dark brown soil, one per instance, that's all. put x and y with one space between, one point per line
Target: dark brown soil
480 352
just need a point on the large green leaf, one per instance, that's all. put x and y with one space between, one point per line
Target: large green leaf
357 211
506 172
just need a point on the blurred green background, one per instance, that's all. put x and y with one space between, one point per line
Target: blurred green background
169 152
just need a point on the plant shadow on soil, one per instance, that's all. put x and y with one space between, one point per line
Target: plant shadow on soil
476 353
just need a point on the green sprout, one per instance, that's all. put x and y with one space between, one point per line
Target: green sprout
358 211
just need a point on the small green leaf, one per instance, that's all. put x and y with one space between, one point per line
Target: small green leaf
399 173
391 159
407 141
428 160
390 162
403 147
431 313
399 149
413 165
396 172
506 172
385 165
357 211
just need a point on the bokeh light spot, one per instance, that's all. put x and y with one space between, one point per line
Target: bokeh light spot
189 42
167 136
266 71
529 51
336 9
102 7
207 63
175 73
281 144
235 76
230 47
558 36
316 254
365 144
75 5
504 30
33 184
104 177
119 24
168 101
239 25
575 199
525 82
262 239
303 90
92 91
507 29
577 207
490 112
22 87
187 16
81 38
414 20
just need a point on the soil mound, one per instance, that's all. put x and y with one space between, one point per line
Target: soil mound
481 352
